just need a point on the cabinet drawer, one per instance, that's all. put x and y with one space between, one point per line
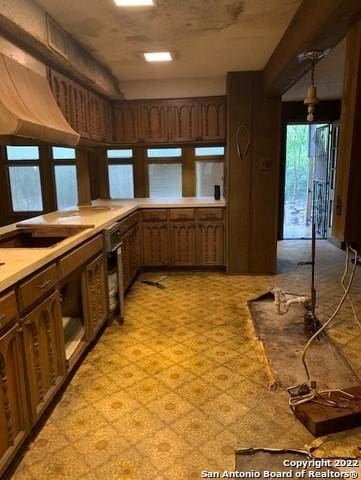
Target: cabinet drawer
33 289
210 213
8 310
155 215
79 256
133 219
123 226
181 214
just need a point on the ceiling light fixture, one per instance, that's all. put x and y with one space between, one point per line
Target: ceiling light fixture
158 57
134 3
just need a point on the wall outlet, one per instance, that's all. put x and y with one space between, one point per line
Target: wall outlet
264 164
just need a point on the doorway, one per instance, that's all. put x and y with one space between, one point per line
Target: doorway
306 193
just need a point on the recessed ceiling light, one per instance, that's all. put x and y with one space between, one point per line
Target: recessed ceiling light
134 3
158 57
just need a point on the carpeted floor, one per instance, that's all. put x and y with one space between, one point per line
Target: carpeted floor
182 384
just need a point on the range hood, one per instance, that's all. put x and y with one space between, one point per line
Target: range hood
28 108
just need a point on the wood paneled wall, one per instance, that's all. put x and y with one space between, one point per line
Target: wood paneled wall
253 180
346 220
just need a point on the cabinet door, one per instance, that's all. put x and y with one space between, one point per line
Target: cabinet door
126 256
44 352
155 244
134 257
182 242
126 123
185 120
96 308
154 122
211 244
13 405
213 119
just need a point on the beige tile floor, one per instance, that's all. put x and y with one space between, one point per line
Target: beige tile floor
182 384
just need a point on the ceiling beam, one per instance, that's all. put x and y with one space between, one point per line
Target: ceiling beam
316 25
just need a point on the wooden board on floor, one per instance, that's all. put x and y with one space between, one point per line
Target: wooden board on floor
322 420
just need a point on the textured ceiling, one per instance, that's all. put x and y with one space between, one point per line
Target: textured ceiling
208 37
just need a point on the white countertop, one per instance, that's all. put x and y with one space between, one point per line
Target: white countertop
20 262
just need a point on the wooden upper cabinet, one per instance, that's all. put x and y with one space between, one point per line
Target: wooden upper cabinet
213 118
88 113
154 122
126 123
185 120
13 403
44 352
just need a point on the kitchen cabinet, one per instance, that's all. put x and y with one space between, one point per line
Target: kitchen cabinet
212 119
201 119
95 288
155 244
126 123
185 237
153 122
185 120
14 420
89 114
211 244
134 253
44 352
182 242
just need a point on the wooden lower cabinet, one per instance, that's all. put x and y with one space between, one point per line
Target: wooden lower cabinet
96 295
155 244
14 421
44 353
211 244
182 243
130 256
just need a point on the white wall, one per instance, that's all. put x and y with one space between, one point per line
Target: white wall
174 88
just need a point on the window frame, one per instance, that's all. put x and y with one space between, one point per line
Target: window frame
210 158
7 164
121 161
62 162
179 160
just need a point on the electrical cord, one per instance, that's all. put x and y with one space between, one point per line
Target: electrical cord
306 392
343 283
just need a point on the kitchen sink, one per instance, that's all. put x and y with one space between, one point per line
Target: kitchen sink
86 211
40 237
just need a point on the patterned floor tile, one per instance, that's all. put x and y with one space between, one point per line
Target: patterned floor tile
181 385
170 407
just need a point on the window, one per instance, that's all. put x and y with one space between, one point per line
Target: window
209 151
165 172
209 170
24 176
121 173
65 177
164 152
165 180
208 174
121 181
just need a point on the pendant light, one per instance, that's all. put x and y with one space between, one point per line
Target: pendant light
311 99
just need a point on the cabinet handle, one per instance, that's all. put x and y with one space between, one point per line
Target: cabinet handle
2 318
41 286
